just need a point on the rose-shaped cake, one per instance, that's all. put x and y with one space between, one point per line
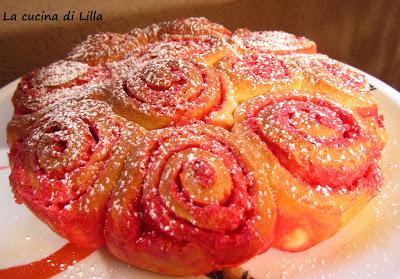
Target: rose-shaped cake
185 149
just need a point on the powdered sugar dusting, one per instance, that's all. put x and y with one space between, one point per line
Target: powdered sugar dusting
183 26
182 47
61 79
262 68
104 47
60 73
318 67
272 42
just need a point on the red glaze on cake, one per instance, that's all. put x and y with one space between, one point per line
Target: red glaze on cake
321 159
61 79
189 202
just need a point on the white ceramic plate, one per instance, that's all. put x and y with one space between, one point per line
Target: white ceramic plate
368 247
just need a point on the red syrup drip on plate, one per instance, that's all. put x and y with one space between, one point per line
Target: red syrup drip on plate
56 263
4 167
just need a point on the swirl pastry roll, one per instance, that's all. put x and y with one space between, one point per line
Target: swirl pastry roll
98 49
66 166
21 124
321 160
173 90
189 202
61 79
277 42
181 26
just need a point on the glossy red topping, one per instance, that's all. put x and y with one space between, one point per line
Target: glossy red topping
50 266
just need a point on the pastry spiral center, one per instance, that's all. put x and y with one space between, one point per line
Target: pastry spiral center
161 77
62 148
202 187
166 83
202 172
204 177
